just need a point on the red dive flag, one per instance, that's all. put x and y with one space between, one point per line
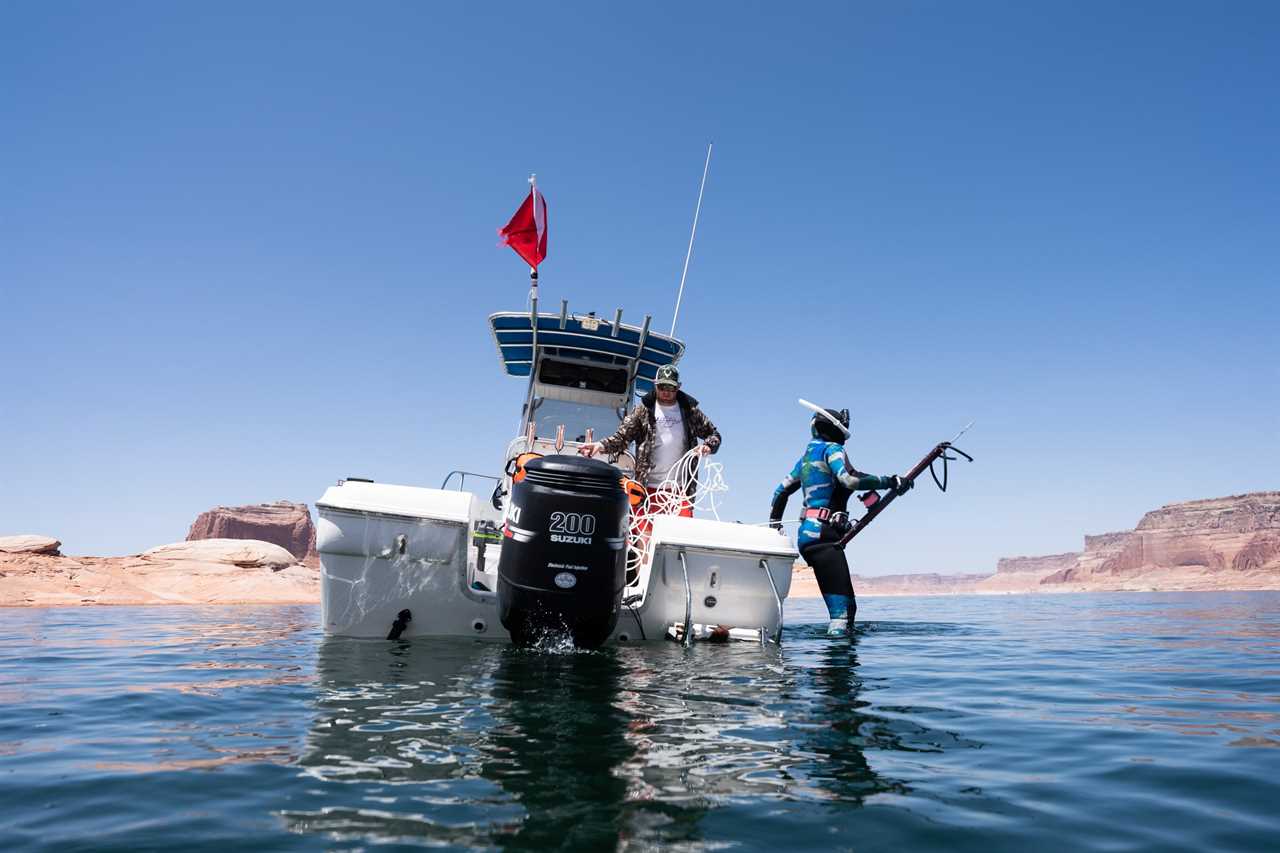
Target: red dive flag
527 230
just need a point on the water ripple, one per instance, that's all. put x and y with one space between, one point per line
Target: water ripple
1002 723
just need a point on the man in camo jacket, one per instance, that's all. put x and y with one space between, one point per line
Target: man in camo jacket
665 426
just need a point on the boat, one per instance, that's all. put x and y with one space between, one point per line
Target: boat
559 541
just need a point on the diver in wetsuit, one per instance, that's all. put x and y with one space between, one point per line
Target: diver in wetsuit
828 478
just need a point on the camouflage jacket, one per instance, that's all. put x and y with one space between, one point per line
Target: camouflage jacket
641 427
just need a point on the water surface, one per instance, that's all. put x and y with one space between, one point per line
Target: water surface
1070 722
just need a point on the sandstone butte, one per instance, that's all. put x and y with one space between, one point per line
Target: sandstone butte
281 523
265 554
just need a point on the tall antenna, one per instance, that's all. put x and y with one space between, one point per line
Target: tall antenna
697 210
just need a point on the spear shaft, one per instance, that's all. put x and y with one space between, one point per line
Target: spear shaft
938 452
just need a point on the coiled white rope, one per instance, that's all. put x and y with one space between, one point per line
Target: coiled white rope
693 482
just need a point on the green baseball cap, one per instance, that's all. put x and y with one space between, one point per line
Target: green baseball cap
667 375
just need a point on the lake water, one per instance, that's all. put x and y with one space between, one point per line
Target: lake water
1071 722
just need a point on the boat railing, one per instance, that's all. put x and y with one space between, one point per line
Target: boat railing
550 446
462 478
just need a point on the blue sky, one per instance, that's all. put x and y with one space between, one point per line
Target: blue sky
248 251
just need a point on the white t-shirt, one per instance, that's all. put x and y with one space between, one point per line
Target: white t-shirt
670 447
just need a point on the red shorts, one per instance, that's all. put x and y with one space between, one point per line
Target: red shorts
685 508
641 526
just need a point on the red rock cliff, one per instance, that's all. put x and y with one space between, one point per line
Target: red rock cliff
281 523
1240 533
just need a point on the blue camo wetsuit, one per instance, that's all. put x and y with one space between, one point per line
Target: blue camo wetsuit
828 479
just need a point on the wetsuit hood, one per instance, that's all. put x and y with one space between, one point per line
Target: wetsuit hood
824 428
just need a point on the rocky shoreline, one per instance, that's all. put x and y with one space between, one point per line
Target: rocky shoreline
212 571
263 554
1228 543
266 554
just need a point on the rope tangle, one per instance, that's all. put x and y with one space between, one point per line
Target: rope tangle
691 483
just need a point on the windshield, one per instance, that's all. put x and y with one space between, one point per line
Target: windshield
576 417
584 374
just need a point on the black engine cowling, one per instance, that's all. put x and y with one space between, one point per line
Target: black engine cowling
564 547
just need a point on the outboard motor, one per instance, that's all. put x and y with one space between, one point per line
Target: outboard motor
563 560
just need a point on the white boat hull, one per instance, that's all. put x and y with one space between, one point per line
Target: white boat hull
384 549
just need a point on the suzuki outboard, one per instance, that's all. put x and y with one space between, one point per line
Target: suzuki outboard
563 562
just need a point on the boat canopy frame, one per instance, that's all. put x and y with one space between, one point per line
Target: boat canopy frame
523 339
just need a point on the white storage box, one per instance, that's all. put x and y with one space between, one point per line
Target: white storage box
384 548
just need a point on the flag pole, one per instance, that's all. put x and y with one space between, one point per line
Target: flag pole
688 254
533 283
533 271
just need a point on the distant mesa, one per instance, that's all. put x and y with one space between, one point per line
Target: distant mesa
1216 544
919 583
1046 564
1222 543
281 523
